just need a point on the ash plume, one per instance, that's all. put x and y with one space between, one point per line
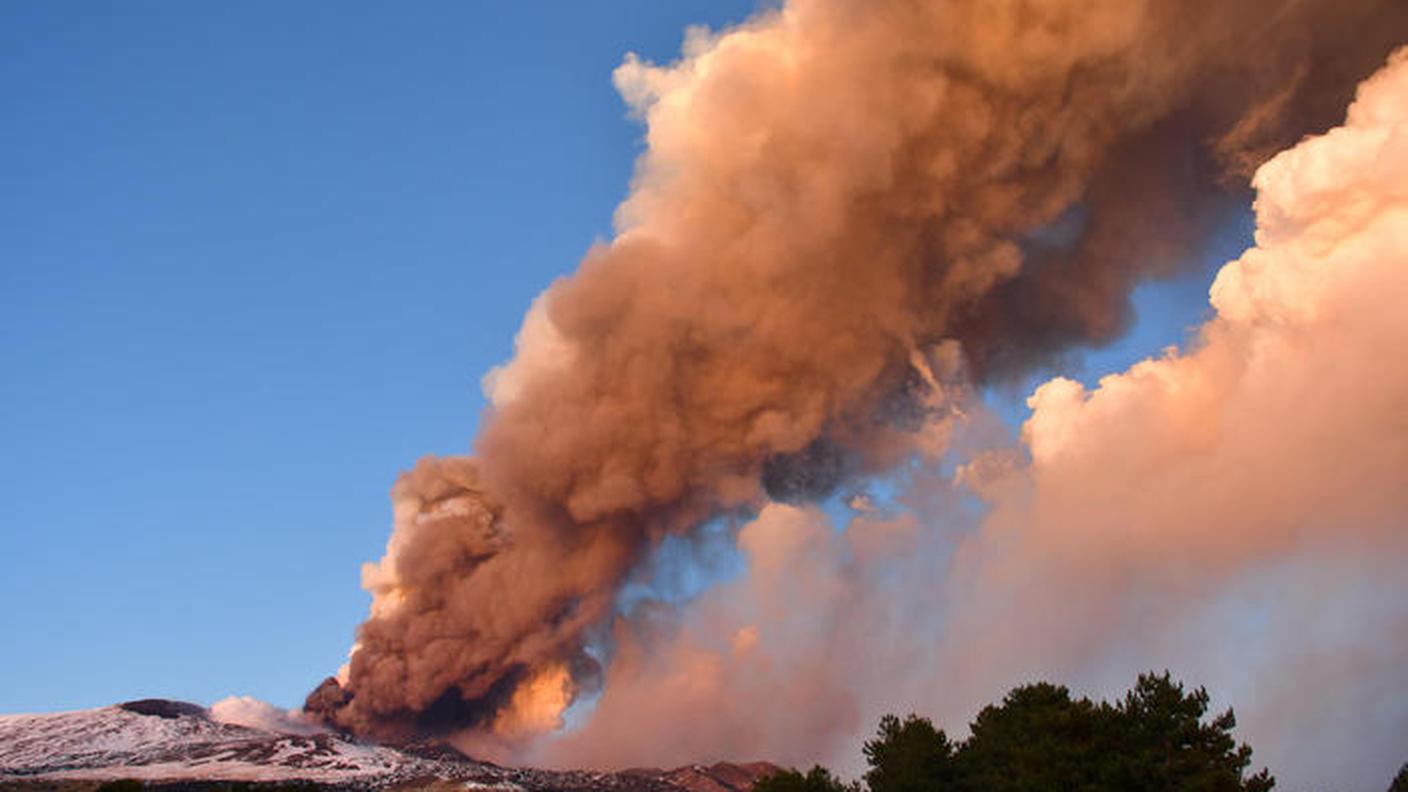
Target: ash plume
846 214
1235 511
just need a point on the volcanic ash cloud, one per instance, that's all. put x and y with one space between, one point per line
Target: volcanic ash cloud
1236 512
846 216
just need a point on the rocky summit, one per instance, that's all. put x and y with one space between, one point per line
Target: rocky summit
159 744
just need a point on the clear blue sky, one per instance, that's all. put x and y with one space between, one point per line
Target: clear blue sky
254 258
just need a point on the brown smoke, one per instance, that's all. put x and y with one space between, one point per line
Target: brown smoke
1237 512
844 207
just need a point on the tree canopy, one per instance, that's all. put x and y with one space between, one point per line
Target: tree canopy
818 779
1400 781
1158 738
908 756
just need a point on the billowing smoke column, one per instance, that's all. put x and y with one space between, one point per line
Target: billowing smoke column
1236 511
846 212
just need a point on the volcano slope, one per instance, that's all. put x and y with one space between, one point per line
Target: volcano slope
173 745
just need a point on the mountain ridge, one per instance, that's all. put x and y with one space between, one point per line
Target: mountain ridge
175 745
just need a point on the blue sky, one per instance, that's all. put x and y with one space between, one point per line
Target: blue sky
254 258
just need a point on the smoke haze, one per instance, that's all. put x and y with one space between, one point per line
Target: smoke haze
255 714
849 215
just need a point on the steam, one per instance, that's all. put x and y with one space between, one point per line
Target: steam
255 714
847 215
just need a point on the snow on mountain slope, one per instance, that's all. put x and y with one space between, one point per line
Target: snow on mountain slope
94 743
164 741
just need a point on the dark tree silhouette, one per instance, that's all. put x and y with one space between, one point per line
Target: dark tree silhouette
1163 743
1400 781
1158 738
1039 739
818 779
908 756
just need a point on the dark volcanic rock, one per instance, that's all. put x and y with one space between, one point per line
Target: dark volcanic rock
433 749
164 708
326 699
